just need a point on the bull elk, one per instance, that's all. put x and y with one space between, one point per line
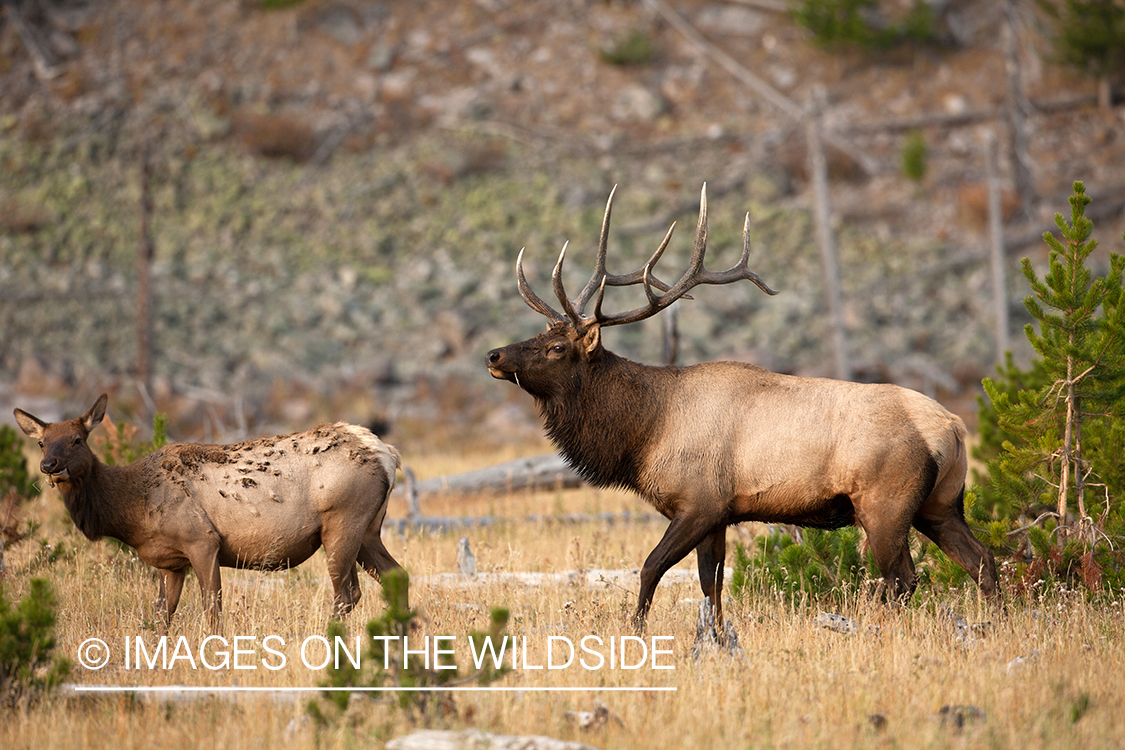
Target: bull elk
719 443
266 504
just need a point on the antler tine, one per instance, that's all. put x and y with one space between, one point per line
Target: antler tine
596 281
695 274
531 298
570 308
744 260
601 276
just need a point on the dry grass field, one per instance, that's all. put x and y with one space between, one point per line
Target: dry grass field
795 686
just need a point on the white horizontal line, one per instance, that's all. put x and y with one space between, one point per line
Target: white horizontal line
462 689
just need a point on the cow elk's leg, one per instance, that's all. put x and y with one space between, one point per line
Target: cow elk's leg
171 586
205 562
682 535
373 556
352 585
342 543
711 555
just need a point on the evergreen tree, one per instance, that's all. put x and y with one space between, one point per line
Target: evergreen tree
1078 385
1091 37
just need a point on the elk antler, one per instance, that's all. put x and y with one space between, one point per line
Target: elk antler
696 274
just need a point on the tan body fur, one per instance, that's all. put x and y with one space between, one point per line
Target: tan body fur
724 442
266 504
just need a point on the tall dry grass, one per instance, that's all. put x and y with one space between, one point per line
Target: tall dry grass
795 686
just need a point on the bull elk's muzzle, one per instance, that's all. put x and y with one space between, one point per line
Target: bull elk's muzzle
497 366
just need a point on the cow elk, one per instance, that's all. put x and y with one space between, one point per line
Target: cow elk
718 443
265 504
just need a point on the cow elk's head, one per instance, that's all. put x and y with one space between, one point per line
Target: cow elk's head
574 337
66 456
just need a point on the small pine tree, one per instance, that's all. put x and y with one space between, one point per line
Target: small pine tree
1091 38
914 157
27 640
849 23
13 466
822 565
384 662
1081 379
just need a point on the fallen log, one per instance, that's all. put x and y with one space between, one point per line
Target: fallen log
546 472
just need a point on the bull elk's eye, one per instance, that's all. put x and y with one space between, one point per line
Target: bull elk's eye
77 440
558 349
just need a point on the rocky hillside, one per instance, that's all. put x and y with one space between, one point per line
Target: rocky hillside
339 191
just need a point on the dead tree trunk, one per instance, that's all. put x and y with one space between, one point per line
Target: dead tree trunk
144 263
1018 110
996 249
822 218
671 335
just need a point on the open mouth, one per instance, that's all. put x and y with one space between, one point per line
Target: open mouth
60 476
499 374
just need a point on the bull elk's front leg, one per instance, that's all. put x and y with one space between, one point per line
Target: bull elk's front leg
711 555
685 533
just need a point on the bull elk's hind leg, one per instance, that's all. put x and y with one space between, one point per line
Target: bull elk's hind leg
943 522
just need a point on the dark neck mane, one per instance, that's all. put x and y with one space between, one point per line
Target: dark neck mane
101 503
603 420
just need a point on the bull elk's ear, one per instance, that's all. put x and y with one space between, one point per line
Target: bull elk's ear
32 426
591 341
92 418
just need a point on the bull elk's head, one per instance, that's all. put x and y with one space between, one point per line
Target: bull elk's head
572 336
66 457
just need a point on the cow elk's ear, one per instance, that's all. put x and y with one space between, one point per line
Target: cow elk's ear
32 426
592 340
93 418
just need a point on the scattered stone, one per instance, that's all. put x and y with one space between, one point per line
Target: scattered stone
958 716
475 739
1019 661
595 719
878 722
964 633
846 625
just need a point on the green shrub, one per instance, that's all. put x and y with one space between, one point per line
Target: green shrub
13 465
1091 34
823 565
635 49
914 157
383 663
846 23
27 641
